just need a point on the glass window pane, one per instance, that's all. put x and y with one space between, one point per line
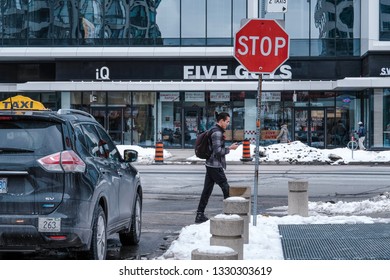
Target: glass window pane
384 17
91 14
144 116
193 19
116 19
219 24
14 20
64 20
386 117
143 21
38 19
298 20
239 13
336 20
168 18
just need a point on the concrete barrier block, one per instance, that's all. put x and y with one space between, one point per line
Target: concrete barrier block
226 225
239 206
298 200
227 231
214 253
236 205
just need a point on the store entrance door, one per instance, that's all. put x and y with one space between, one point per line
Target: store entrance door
192 116
112 119
309 126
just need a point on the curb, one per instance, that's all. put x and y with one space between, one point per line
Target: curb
200 162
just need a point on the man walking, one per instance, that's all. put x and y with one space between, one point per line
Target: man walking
215 165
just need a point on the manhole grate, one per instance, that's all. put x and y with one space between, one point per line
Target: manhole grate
336 241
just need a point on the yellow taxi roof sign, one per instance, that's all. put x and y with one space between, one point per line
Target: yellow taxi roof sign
20 102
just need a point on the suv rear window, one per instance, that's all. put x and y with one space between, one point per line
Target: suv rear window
30 135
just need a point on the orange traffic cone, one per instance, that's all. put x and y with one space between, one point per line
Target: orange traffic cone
159 152
246 151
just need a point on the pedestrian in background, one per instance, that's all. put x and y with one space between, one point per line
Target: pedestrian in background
284 136
215 165
361 132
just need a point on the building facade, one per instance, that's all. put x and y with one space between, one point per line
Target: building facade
158 70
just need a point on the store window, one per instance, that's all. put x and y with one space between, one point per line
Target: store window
219 102
171 119
144 117
386 118
271 111
195 117
128 117
238 117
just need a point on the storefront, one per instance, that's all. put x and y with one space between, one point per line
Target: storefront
143 101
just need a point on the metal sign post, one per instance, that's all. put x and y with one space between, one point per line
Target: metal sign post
261 46
257 150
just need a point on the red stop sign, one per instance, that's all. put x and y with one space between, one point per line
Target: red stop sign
261 46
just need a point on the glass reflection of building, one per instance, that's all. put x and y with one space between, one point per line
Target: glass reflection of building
85 21
335 20
329 41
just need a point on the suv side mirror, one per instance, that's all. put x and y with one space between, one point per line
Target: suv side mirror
130 155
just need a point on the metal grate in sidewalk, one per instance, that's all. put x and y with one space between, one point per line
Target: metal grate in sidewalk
336 241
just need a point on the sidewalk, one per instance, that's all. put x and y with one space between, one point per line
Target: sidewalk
182 156
285 154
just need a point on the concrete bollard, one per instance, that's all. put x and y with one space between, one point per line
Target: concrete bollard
227 230
240 206
214 253
242 191
298 201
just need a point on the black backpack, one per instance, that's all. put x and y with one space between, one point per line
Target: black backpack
203 144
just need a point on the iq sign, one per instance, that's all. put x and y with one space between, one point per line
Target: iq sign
261 46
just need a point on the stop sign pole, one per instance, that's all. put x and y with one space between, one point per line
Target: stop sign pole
261 46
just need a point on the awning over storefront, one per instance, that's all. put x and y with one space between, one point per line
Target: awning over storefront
343 84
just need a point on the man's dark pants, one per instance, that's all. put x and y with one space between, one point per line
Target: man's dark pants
213 175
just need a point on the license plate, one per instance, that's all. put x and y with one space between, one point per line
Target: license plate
3 185
49 224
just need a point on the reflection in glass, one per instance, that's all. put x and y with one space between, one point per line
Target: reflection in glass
336 20
63 26
218 19
239 12
91 17
14 19
168 18
38 19
115 19
193 14
384 20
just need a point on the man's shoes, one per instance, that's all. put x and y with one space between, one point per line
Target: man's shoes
200 218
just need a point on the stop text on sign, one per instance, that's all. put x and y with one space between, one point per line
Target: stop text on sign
253 45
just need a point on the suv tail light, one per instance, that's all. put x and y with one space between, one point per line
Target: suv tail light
65 161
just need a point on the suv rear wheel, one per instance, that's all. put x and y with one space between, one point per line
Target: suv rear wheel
133 236
98 250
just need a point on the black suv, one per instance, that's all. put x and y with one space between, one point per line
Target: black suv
64 185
